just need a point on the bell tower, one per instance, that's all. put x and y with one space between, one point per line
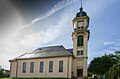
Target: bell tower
80 37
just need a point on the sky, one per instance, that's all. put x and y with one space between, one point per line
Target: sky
26 25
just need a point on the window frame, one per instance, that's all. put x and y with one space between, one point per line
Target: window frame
80 52
31 67
50 66
61 66
24 67
80 40
41 69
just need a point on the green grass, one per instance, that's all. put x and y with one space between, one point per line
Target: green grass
34 78
5 78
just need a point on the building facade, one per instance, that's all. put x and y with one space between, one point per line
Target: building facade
56 61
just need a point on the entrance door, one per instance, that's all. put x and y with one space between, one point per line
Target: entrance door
79 73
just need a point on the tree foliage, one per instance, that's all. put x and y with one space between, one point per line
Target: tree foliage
101 65
117 55
1 72
114 71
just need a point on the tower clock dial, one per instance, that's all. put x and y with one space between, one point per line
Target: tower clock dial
80 24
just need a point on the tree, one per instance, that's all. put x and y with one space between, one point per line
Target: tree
101 65
117 55
114 71
1 72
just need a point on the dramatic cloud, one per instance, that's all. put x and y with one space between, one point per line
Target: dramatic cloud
45 36
9 18
56 8
22 40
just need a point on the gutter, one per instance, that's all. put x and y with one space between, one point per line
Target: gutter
10 68
39 57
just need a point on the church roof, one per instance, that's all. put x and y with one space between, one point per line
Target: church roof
52 51
70 50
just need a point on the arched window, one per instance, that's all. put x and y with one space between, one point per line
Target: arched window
80 40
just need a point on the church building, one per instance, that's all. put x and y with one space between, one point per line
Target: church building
57 61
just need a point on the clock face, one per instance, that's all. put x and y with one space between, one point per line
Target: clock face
80 23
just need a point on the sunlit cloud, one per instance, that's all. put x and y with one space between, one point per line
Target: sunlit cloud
45 36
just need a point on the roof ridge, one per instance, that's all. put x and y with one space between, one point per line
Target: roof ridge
50 46
50 51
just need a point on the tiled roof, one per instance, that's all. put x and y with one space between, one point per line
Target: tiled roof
70 50
52 51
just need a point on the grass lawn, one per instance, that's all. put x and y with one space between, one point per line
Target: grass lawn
5 78
34 78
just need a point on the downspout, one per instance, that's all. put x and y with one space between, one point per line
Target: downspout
44 68
10 68
16 68
68 69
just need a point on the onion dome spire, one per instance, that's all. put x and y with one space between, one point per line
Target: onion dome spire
81 13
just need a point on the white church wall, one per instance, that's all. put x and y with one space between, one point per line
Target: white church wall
67 67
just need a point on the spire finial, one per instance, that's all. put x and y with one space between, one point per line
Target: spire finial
81 9
81 3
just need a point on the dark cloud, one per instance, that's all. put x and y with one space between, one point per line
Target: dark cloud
31 9
12 12
9 18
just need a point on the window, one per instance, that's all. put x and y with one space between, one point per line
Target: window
50 66
41 66
80 52
60 66
24 67
80 40
32 67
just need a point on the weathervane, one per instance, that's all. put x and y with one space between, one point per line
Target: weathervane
81 3
81 9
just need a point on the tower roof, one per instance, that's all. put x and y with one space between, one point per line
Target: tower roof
81 13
